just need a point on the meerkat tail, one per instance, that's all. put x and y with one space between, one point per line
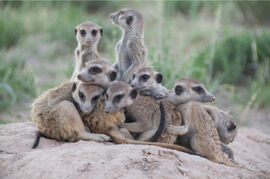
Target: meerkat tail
119 139
161 124
38 135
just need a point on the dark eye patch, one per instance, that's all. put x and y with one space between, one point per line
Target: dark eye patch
133 76
144 77
94 99
178 90
83 32
198 89
121 12
118 98
129 20
94 32
94 70
82 96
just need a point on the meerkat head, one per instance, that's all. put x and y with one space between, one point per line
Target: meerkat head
88 33
128 19
118 96
227 128
146 78
86 96
188 89
98 72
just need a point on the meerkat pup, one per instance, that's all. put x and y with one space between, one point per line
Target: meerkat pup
98 72
148 79
87 35
130 50
56 116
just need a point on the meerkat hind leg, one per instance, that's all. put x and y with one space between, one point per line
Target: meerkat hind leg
70 125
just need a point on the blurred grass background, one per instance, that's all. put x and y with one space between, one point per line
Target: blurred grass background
226 45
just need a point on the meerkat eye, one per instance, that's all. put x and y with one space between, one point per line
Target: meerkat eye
94 70
94 99
121 12
118 98
81 95
178 90
198 89
94 32
144 77
83 32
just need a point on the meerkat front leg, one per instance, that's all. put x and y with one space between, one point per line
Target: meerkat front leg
228 151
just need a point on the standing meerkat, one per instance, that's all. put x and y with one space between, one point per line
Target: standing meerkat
56 116
130 50
98 72
87 35
108 122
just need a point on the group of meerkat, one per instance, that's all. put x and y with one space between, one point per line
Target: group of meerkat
126 103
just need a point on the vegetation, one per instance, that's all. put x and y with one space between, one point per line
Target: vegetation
205 40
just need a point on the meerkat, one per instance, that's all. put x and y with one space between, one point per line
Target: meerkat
226 128
98 72
130 50
56 116
148 79
106 119
87 35
202 134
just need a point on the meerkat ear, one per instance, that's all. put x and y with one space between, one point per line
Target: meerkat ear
112 75
133 93
101 31
75 30
129 20
74 86
158 78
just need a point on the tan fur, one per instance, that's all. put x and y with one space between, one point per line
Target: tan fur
130 50
108 123
203 134
103 77
87 45
56 117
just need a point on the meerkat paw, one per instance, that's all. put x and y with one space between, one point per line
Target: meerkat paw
102 138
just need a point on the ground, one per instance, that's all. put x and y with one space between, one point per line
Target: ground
52 159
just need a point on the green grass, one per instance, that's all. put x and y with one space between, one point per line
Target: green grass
213 49
16 82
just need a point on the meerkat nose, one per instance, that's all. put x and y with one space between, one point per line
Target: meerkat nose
213 98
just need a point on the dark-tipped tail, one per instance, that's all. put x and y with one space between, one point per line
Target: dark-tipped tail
38 135
161 124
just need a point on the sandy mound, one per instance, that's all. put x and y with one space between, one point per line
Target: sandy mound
82 159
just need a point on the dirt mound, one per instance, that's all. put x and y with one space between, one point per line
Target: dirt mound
83 159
